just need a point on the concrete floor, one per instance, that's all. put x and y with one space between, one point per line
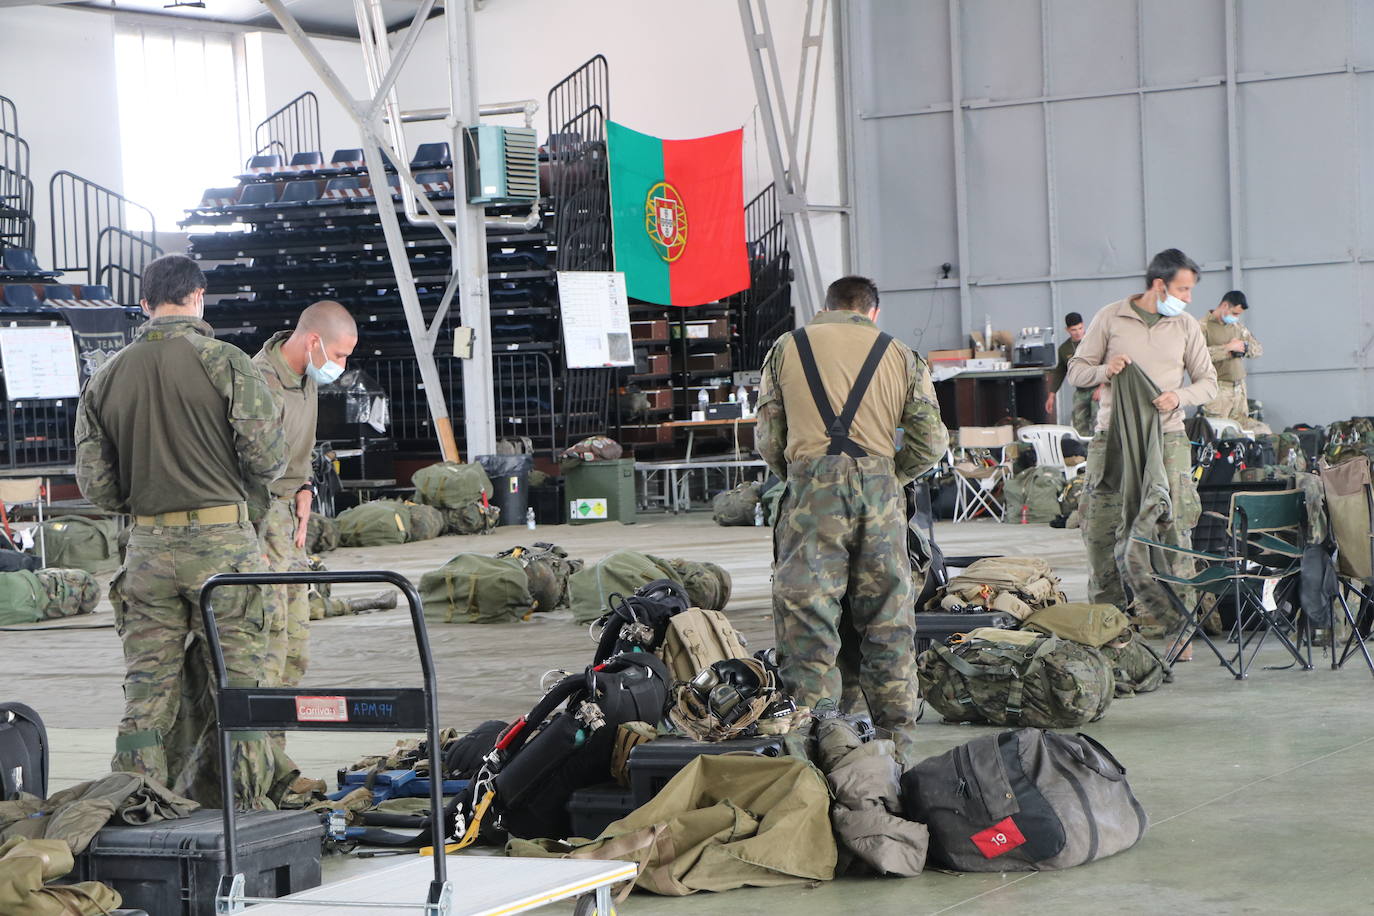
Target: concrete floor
1258 792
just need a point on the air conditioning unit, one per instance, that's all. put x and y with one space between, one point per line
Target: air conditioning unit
502 165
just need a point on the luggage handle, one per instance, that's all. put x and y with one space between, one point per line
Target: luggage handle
1106 754
429 693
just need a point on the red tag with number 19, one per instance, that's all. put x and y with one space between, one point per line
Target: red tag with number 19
997 839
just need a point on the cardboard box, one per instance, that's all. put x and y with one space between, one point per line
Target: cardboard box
990 354
949 354
986 436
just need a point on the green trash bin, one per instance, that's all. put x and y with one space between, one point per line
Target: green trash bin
601 491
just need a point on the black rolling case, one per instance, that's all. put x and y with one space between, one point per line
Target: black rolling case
938 626
172 868
593 808
23 752
654 763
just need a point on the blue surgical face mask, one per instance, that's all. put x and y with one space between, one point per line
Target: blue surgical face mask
1229 319
1170 306
326 374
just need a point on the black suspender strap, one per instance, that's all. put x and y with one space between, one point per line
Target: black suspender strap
837 428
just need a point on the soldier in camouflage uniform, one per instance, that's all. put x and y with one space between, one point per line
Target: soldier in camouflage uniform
180 431
294 363
832 398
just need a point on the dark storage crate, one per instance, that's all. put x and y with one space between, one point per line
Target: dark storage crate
550 508
377 461
649 330
172 868
653 764
708 329
595 807
703 362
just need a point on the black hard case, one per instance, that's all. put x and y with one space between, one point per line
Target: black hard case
937 626
593 808
23 752
654 763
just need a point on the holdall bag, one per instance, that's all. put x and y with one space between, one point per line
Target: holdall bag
380 523
23 752
735 508
472 588
1017 585
543 757
1032 495
1089 624
451 485
1016 677
695 639
1136 668
1023 800
425 522
77 542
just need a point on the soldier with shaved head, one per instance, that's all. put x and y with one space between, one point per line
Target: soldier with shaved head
295 363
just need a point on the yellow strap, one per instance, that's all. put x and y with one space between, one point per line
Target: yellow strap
475 824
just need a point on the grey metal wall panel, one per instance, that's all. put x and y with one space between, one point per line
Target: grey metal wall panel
916 233
1006 187
1092 45
924 319
1186 174
1000 61
916 77
1290 36
1014 307
1362 32
1087 297
1297 180
1097 185
1364 133
1180 40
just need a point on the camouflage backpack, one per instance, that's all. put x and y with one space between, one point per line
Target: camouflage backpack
77 542
321 534
1288 451
1136 667
1345 437
426 522
475 519
1033 496
708 585
471 588
1018 585
26 597
734 508
593 448
1017 678
549 570
375 524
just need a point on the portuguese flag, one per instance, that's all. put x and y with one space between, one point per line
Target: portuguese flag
677 215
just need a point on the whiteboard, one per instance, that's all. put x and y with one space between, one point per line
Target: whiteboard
39 363
596 319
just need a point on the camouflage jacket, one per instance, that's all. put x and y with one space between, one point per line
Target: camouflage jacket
924 438
144 448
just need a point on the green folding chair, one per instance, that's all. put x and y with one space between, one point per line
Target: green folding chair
1267 534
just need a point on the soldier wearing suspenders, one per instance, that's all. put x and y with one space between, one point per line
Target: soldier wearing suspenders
833 396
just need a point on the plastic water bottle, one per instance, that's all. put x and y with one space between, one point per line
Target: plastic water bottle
758 515
529 518
742 397
703 399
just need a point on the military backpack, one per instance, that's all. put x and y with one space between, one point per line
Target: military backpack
1136 667
695 639
376 524
1016 677
1033 496
736 507
1017 585
26 597
548 569
472 588
621 573
77 542
1088 624
426 522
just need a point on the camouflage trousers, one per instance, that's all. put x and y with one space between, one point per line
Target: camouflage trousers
156 599
1233 403
1103 527
1084 412
842 590
288 632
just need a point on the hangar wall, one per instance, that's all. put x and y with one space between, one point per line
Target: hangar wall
1047 149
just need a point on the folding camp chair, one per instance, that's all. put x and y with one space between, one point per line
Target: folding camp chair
1260 567
976 488
17 492
1349 490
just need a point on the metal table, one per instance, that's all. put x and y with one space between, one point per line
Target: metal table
673 494
483 886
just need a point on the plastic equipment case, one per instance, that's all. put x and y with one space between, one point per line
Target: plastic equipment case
613 481
654 763
938 626
172 868
595 807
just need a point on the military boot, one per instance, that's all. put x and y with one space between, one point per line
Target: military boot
382 601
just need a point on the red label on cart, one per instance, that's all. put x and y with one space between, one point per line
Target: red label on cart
321 709
1001 837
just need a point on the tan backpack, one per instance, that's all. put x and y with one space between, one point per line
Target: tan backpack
696 638
1017 585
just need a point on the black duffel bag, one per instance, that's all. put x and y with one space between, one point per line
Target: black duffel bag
1023 800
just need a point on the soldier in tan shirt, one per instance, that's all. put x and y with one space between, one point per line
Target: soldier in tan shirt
1152 331
1230 344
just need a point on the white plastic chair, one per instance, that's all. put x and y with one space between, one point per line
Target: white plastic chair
976 493
1048 441
1225 429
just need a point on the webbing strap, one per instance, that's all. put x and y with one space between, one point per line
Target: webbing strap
837 427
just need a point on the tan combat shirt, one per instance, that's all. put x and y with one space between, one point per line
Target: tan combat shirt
1164 352
298 398
1230 366
900 395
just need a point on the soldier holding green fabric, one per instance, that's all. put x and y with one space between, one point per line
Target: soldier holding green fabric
832 397
180 431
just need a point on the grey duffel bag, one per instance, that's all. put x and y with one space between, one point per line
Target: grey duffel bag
1023 800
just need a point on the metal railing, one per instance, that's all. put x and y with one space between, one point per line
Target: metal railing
578 108
122 255
271 146
295 127
81 212
586 403
764 311
16 189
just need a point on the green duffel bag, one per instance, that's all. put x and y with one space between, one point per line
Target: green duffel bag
451 485
26 597
1135 666
379 523
620 573
77 542
736 508
549 571
708 585
321 534
1089 624
1016 678
1033 495
426 522
471 588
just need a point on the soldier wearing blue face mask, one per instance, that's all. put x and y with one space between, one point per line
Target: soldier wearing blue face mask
1230 344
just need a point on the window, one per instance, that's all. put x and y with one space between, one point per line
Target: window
179 117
